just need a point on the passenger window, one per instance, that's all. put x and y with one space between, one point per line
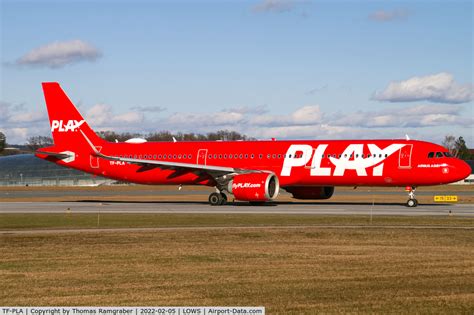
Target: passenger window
246 156
252 156
439 155
260 156
220 156
240 156
279 156
225 156
210 156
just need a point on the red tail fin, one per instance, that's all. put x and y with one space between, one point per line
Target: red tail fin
65 120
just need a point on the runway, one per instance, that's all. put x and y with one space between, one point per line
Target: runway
466 210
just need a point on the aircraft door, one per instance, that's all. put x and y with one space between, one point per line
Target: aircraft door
201 157
404 159
94 160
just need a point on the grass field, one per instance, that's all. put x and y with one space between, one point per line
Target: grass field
287 270
109 220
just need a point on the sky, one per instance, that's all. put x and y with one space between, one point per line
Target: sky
266 68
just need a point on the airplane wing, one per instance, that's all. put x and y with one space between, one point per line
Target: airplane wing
214 171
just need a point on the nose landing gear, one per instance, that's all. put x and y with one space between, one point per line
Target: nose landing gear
411 202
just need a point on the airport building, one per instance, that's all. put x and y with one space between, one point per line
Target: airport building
28 170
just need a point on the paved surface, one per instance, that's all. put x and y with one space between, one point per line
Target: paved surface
237 208
71 191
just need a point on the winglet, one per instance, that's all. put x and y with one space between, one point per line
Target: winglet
407 137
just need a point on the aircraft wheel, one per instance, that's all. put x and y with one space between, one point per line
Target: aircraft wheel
412 203
223 199
215 199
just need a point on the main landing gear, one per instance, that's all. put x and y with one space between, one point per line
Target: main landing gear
411 202
217 199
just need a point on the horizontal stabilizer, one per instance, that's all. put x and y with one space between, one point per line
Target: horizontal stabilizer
60 156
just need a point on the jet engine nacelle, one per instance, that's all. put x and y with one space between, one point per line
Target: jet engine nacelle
309 192
254 186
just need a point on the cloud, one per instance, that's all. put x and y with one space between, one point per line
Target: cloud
426 121
316 89
405 117
439 88
149 109
206 120
385 16
15 114
275 6
28 117
260 109
306 115
59 54
102 116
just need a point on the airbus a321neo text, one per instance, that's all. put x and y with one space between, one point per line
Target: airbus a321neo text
252 171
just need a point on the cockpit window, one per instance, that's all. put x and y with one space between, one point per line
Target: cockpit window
430 155
439 154
447 154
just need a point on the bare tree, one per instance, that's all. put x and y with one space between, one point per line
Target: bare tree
3 140
36 142
113 136
449 143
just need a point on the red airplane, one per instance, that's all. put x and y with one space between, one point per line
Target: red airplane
252 171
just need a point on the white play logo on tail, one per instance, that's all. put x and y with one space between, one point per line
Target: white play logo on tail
70 125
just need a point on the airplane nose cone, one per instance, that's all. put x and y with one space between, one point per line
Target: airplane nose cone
464 170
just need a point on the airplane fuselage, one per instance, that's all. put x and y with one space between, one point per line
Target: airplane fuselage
330 162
